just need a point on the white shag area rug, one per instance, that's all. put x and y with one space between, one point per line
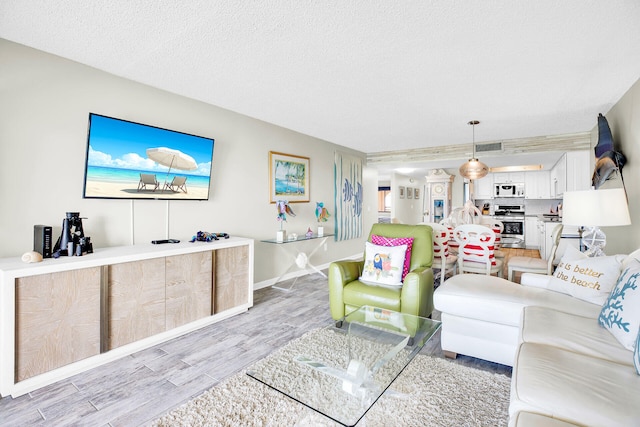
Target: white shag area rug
430 392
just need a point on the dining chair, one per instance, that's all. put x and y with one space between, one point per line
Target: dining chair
497 227
525 264
476 253
443 260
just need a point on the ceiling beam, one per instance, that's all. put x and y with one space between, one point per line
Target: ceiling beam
539 144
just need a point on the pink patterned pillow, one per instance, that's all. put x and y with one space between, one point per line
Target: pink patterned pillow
397 241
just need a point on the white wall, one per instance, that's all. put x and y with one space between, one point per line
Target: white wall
407 210
624 121
44 105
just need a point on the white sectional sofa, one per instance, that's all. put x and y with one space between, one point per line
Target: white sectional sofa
567 368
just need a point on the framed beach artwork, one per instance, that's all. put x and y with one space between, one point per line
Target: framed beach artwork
409 192
401 192
416 193
288 177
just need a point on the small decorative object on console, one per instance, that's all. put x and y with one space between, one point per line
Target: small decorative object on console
309 233
72 242
32 256
205 236
283 208
322 215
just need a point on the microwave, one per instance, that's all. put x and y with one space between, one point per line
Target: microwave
508 190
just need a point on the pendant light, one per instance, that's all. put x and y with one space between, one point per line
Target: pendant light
474 169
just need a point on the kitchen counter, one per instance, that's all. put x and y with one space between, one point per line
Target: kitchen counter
549 218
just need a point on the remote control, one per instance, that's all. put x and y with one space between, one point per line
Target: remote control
158 242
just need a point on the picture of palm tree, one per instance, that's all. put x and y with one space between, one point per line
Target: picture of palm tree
289 176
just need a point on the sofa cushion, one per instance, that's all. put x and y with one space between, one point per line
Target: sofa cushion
383 264
396 241
579 334
494 299
620 313
589 279
573 387
527 419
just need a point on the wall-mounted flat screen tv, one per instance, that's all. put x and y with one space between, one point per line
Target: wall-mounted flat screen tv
127 160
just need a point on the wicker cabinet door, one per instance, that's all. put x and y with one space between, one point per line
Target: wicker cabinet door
57 320
231 277
136 301
189 289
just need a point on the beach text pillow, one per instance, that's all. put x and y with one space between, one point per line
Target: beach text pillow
383 264
620 313
396 241
585 278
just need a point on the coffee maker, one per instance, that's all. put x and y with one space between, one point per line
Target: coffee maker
72 242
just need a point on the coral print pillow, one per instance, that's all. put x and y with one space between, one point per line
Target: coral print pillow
396 241
383 264
585 278
620 313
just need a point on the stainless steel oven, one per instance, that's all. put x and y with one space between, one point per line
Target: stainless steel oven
512 217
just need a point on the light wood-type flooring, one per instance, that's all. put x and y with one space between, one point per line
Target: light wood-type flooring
139 388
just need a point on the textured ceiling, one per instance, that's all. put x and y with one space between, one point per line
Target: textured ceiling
371 75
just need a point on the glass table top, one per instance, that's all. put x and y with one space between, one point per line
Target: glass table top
341 372
299 238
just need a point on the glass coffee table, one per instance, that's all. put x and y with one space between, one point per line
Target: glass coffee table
340 371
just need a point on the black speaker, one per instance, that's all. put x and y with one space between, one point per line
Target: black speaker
42 240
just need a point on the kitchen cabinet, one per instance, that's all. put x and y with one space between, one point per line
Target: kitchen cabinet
558 175
508 177
541 240
483 188
531 233
537 185
578 172
572 172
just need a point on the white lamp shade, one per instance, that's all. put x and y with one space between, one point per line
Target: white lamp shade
595 208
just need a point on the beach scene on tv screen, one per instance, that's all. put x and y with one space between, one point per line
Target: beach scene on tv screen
130 160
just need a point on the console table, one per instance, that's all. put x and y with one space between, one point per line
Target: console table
63 316
300 257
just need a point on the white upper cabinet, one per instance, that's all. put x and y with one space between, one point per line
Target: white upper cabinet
578 170
558 176
571 173
483 187
508 177
537 185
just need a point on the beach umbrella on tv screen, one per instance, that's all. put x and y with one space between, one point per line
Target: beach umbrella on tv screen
173 159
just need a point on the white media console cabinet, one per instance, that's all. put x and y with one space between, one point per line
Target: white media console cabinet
63 316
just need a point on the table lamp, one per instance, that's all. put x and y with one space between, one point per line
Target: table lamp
594 209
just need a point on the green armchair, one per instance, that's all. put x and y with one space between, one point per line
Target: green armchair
347 293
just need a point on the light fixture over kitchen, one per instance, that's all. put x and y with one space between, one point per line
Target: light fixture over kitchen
474 168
